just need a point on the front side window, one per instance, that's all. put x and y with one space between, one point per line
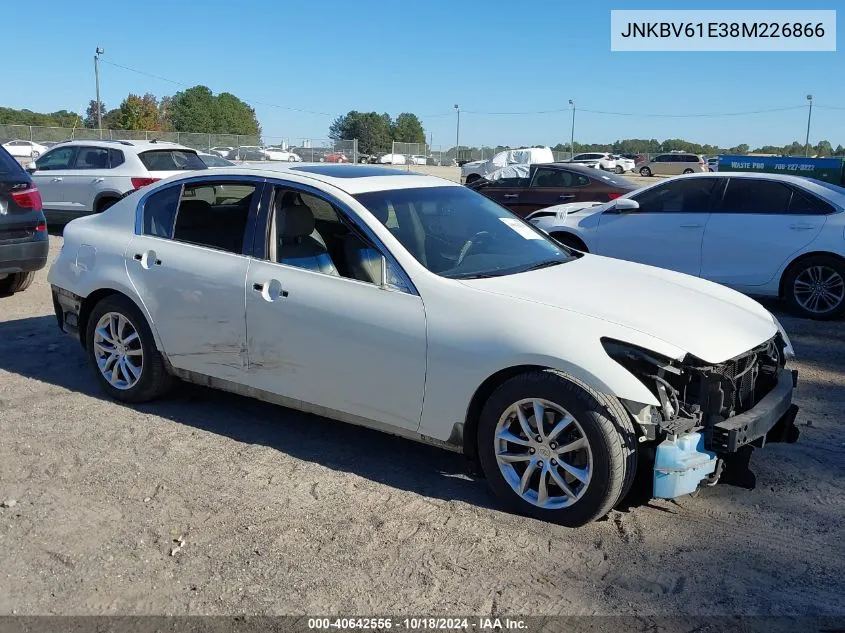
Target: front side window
690 195
460 234
160 211
748 195
311 233
59 158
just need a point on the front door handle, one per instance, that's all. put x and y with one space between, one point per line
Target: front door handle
270 290
57 179
566 196
801 227
691 226
510 196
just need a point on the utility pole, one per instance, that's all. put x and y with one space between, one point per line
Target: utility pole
97 80
457 132
809 116
572 136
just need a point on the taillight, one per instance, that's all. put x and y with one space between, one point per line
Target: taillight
613 196
28 198
137 183
41 227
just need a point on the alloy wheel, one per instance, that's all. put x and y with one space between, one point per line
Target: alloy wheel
118 351
543 453
819 289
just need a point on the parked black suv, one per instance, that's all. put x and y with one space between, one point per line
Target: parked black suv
23 229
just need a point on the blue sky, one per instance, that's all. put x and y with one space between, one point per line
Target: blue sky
331 56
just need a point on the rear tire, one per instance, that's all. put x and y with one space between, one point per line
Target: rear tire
16 282
594 476
822 272
148 369
619 169
645 171
688 171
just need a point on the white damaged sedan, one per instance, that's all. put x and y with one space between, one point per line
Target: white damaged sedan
409 304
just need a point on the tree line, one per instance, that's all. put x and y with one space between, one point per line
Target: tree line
195 109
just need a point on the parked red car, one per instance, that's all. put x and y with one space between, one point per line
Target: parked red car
549 184
337 157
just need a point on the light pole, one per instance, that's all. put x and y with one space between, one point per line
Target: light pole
572 136
809 116
97 81
457 132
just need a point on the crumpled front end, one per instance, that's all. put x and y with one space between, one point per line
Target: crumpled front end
710 415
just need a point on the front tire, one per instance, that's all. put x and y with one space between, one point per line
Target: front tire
688 171
573 466
122 352
645 171
815 288
619 169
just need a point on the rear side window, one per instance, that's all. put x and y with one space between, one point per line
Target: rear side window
747 195
160 211
116 158
805 203
214 214
171 160
546 177
91 158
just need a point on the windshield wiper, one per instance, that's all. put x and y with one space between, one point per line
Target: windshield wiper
544 264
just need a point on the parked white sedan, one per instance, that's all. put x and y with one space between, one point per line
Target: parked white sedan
393 300
24 149
766 235
279 154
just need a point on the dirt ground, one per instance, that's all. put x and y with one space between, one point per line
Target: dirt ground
207 503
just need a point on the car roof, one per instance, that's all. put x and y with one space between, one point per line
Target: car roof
140 145
806 183
353 179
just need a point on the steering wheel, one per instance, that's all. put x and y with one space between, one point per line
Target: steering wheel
475 240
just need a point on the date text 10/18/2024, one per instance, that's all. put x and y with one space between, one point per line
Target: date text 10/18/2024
419 624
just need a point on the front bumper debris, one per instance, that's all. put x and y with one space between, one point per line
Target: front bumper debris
772 419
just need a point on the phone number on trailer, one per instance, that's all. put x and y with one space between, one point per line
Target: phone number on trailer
722 29
415 624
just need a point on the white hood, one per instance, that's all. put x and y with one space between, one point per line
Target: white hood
702 318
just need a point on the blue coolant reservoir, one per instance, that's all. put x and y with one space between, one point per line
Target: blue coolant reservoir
680 464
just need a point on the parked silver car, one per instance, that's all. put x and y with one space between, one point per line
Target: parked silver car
673 164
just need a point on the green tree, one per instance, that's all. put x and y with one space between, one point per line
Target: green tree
824 148
198 110
91 113
138 113
742 148
371 129
839 151
408 129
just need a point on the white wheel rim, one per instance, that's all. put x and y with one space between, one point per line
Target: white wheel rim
543 454
819 289
118 351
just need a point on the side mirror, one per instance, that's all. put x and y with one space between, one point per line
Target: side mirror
625 205
31 167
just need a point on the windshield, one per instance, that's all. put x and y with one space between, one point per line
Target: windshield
458 233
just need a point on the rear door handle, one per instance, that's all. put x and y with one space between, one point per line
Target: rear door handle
691 226
566 196
270 290
148 259
99 180
57 179
801 227
510 196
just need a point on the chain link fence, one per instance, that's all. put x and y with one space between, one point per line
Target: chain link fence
30 141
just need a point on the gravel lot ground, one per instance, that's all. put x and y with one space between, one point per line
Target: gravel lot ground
210 503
